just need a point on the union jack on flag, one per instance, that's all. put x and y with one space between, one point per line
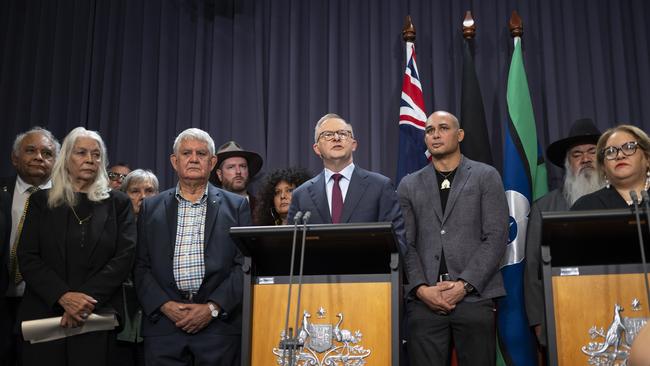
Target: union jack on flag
413 154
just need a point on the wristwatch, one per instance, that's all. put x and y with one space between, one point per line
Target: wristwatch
468 288
214 312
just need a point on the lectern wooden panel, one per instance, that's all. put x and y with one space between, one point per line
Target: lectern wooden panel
594 287
362 305
350 300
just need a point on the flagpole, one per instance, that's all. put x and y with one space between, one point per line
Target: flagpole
408 32
469 26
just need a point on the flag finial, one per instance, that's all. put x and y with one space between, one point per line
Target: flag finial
516 25
469 26
408 32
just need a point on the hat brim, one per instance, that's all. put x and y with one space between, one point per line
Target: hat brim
556 151
255 161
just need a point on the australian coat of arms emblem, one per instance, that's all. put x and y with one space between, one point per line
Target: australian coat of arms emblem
324 344
614 348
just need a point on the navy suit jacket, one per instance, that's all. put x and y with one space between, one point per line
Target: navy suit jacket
371 197
223 279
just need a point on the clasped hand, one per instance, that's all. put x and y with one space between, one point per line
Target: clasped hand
442 297
191 318
78 306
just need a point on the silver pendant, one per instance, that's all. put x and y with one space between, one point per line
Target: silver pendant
445 184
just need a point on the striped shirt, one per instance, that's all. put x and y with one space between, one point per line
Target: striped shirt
189 264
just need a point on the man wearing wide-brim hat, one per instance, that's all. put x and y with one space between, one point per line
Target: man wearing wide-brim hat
235 168
577 155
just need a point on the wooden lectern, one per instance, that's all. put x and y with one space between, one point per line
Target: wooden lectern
351 293
595 295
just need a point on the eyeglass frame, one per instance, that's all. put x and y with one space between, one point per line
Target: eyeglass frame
343 135
116 176
618 149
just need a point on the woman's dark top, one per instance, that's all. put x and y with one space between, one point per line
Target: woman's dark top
603 199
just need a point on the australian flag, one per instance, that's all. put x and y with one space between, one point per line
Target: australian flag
412 119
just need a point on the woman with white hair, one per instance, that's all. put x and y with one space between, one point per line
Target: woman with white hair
76 248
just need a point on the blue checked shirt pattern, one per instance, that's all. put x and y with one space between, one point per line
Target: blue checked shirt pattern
189 264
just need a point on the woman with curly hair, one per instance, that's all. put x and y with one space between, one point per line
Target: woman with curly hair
274 198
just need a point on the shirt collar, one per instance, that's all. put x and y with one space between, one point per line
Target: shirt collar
345 172
179 195
22 186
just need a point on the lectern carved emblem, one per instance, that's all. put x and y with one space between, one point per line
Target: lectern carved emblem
614 347
324 345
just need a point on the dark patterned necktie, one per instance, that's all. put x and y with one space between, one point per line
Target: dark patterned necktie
337 199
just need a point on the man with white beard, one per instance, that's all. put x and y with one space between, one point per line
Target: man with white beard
577 154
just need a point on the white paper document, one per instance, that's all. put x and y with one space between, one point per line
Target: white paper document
49 329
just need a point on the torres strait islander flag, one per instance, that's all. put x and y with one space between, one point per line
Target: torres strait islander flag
525 180
413 154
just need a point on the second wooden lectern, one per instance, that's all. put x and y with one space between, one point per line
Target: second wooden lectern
594 288
350 300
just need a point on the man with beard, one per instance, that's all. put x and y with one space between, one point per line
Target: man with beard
235 168
33 155
577 154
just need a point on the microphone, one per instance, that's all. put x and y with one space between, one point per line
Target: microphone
288 337
634 197
305 219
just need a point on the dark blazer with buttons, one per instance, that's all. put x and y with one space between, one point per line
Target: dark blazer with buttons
223 280
473 229
370 197
42 254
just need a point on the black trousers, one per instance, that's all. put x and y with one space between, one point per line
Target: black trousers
94 348
10 336
471 325
201 349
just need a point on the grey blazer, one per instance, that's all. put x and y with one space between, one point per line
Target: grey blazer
473 230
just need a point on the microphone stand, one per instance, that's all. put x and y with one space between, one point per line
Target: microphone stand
286 343
634 197
305 219
646 201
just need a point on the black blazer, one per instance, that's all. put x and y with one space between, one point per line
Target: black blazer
5 234
42 257
602 199
223 281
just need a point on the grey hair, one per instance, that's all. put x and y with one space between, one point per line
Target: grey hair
325 118
139 176
62 191
19 140
194 134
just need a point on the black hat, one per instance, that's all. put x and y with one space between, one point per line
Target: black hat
231 149
583 131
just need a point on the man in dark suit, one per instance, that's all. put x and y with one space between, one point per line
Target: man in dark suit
343 192
456 217
188 269
33 155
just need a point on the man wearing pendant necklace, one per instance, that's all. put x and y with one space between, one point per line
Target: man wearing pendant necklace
456 217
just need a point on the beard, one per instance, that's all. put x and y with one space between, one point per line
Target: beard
586 181
235 185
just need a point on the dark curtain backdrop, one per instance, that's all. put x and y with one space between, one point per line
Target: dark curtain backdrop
262 72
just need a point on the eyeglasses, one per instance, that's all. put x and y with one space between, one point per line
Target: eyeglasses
628 149
116 177
329 135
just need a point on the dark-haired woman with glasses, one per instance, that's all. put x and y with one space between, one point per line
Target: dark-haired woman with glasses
623 157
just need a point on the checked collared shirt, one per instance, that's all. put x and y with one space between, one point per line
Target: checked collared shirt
189 264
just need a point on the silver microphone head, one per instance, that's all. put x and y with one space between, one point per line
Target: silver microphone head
634 197
306 216
644 195
297 217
